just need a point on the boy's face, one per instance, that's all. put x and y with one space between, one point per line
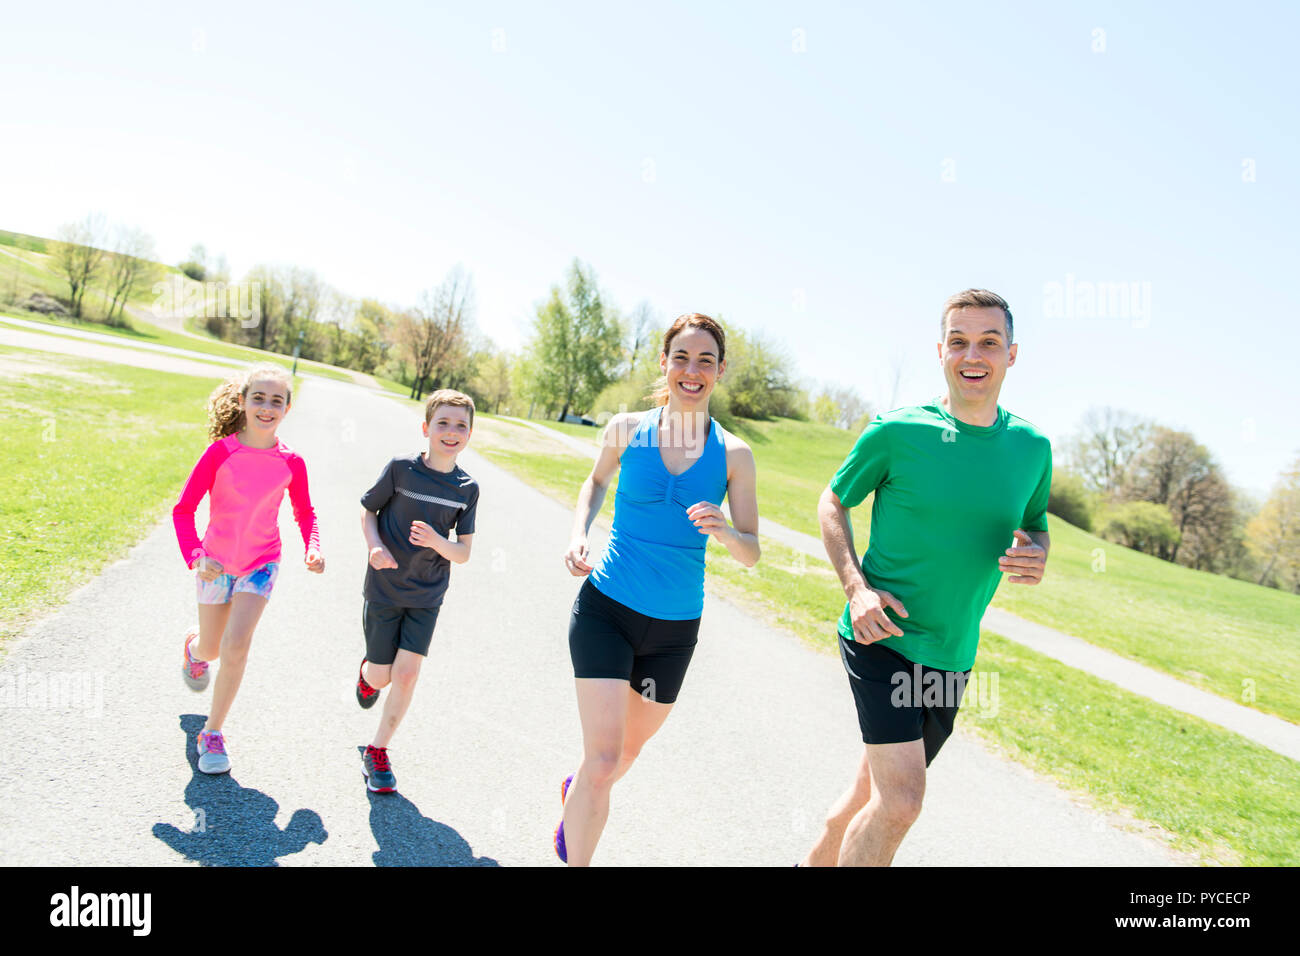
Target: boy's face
448 430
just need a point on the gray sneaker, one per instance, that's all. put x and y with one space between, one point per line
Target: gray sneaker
212 752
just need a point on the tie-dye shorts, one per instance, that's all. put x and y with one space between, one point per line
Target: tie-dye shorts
259 581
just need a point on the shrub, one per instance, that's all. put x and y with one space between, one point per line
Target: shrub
1069 499
1142 525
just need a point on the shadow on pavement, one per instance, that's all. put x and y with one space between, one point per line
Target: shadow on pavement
406 837
234 825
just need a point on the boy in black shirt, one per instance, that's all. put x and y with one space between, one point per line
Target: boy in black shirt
407 518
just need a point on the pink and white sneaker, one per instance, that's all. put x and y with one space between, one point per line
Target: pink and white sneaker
195 672
212 752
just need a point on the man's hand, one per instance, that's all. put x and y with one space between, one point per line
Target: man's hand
868 617
381 559
315 562
1024 560
209 569
575 559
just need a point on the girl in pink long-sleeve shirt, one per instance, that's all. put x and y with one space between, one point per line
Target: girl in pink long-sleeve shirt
245 473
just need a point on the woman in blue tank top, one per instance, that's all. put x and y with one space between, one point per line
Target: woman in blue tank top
634 623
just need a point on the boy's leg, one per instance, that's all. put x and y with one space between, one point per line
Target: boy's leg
245 611
377 675
405 670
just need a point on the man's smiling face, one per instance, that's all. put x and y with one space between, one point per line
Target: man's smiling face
976 355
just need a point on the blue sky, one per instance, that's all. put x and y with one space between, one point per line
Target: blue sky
826 173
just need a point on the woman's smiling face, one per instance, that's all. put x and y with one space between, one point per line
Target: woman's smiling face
691 366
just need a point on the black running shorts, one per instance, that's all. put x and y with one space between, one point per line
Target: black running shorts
390 628
609 639
899 700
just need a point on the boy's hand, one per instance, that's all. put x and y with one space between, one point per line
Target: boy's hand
381 559
423 535
315 562
575 559
209 569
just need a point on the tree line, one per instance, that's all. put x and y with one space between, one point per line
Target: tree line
1157 490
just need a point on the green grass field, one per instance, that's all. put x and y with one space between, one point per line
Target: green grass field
95 454
1126 753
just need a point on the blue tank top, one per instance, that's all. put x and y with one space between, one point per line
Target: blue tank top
654 562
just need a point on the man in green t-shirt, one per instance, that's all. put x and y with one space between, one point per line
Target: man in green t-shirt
961 488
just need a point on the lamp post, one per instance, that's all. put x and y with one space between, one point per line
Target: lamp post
296 349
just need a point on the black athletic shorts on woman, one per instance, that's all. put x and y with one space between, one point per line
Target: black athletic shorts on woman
899 700
609 639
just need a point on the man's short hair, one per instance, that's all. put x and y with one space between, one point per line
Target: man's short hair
976 299
448 396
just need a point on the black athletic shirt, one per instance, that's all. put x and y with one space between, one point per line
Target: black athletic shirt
409 490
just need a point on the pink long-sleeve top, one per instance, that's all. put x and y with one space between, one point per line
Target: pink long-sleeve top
245 488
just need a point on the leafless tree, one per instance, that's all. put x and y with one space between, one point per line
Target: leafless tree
130 265
79 253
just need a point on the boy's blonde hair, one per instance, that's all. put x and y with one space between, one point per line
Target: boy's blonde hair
225 417
448 396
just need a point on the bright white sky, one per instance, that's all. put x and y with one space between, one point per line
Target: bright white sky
827 173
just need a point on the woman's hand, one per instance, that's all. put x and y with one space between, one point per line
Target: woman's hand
209 569
315 562
575 559
709 519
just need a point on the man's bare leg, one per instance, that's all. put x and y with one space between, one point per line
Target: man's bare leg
898 787
826 851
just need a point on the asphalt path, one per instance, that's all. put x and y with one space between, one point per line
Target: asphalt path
97 729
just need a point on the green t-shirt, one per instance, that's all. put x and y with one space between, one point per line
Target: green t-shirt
948 497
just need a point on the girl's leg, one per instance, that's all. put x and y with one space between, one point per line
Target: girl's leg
603 710
212 624
644 718
404 671
245 611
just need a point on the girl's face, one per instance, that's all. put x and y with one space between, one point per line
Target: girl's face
265 403
691 366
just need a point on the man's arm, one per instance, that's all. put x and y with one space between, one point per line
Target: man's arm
866 604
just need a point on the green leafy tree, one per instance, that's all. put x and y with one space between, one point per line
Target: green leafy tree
1069 499
576 348
1273 535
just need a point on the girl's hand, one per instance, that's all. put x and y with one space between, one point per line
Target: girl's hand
708 518
209 569
381 559
575 559
423 535
315 562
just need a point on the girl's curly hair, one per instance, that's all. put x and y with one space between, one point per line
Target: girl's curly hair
225 417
